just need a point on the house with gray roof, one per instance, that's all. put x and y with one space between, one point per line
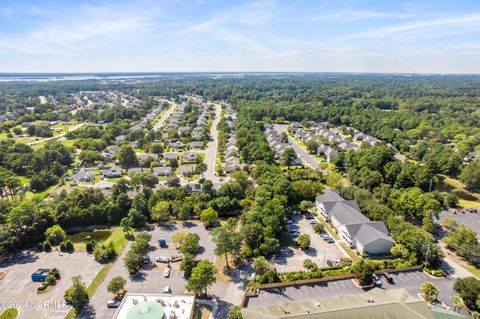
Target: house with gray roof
170 156
177 145
144 156
196 144
190 156
330 154
84 175
136 170
112 172
162 171
362 234
186 170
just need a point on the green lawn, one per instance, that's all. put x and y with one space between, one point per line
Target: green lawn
69 143
42 194
328 228
466 199
24 179
79 239
9 313
349 252
475 271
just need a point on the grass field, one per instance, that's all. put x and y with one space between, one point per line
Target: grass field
79 239
467 199
9 313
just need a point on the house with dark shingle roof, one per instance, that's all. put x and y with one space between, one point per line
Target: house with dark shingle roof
362 234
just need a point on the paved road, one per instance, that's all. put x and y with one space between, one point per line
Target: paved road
165 115
211 151
73 128
306 158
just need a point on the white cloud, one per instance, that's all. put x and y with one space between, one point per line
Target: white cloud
83 28
357 15
466 22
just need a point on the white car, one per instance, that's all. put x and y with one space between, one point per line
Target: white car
166 273
162 259
167 290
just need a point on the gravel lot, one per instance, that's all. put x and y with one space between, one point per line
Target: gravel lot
17 286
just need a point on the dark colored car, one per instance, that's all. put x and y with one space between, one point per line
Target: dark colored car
388 277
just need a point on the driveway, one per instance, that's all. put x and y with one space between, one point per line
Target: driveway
291 258
410 281
16 285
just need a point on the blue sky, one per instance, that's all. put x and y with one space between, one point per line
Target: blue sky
437 36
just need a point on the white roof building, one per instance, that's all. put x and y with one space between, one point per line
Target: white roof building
161 306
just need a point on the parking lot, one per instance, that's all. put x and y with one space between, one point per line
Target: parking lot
16 284
151 278
410 281
464 217
166 231
291 258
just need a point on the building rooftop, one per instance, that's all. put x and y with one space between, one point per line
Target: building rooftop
155 306
377 303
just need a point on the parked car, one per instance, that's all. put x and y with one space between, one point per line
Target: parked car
376 280
294 234
330 240
313 222
309 216
329 263
388 277
162 259
113 304
146 260
167 290
166 273
289 222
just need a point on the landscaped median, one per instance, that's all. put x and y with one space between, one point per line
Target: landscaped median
10 313
272 279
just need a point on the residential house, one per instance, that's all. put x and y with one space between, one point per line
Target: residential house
144 156
232 164
84 175
186 170
170 156
112 172
190 156
330 154
136 170
196 144
193 188
362 234
162 171
177 145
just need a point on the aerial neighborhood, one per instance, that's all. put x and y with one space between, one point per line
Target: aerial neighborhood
145 198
